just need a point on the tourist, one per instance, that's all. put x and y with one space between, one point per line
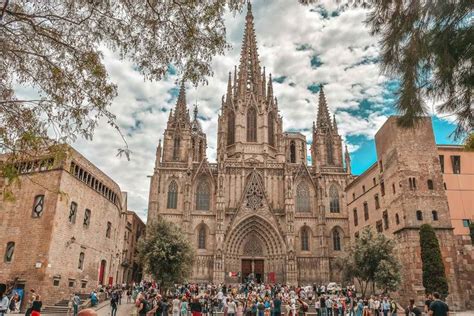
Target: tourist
277 305
385 306
113 304
412 310
30 302
36 306
231 308
14 302
76 302
143 305
129 295
393 307
438 307
328 306
164 307
360 307
196 308
94 299
377 306
184 306
428 301
322 304
4 302
176 303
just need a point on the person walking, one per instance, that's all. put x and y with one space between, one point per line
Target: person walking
438 307
113 304
176 302
36 306
76 302
30 302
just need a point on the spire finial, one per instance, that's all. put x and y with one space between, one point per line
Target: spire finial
195 111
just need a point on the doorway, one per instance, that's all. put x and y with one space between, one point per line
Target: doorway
253 270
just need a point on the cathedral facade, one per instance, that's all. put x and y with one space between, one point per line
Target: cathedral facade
261 210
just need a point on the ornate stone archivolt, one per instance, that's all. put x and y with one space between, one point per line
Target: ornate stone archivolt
253 247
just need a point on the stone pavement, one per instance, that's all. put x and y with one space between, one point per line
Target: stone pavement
123 310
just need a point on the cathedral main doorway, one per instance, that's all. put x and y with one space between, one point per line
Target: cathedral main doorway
253 269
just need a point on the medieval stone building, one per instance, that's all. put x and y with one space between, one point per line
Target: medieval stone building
261 208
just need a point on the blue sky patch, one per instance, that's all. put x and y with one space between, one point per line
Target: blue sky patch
316 62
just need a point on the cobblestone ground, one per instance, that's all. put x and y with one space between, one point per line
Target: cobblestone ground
123 310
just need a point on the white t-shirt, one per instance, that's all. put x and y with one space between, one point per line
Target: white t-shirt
231 307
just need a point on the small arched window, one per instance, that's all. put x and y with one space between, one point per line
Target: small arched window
334 200
81 261
230 127
202 237
302 198
336 240
292 151
430 184
419 215
271 136
176 145
9 251
251 125
305 239
435 215
38 206
202 195
172 195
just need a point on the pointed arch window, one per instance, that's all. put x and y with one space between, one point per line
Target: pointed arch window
329 151
292 151
336 240
202 196
230 128
81 261
176 145
334 200
305 239
9 251
302 198
202 237
172 195
271 136
251 125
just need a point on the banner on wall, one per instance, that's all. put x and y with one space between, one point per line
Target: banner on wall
271 277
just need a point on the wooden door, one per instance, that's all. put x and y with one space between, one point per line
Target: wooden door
259 270
246 268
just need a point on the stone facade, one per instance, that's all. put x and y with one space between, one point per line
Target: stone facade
400 192
66 225
134 229
261 208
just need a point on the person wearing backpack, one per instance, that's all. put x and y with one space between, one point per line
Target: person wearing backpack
144 307
412 310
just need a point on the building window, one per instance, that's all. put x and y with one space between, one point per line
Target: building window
419 215
356 219
271 135
356 235
230 127
412 183
333 200
456 162
9 250
38 206
385 219
429 183
441 162
202 196
381 166
172 195
379 226
393 188
80 266
336 240
302 198
382 187
374 181
353 196
83 284
202 237
363 188
71 283
251 124
435 215
292 151
304 239
56 282
176 144
366 211
466 222
87 218
72 212
329 150
397 219
108 232
377 202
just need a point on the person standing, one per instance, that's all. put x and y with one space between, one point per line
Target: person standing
438 307
231 308
30 302
277 305
176 302
393 307
428 301
4 302
412 310
113 304
385 306
76 302
36 306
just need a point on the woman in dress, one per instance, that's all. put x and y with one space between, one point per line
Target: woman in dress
184 307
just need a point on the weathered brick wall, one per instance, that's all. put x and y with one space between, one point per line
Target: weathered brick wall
465 269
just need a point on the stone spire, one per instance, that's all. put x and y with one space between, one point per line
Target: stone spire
334 124
228 97
250 79
158 155
347 159
181 113
195 124
270 88
323 121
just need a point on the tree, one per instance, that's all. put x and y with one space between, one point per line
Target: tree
55 46
166 253
434 276
371 260
428 46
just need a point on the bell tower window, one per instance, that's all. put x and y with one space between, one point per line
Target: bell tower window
251 125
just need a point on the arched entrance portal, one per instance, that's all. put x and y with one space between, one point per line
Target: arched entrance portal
254 248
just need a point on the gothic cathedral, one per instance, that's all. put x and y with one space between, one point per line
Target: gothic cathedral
261 210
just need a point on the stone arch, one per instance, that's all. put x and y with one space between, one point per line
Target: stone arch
203 194
334 198
305 235
336 237
202 233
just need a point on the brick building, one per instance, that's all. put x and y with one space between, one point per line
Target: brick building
404 189
63 232
134 229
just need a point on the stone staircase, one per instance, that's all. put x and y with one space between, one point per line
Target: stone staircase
61 307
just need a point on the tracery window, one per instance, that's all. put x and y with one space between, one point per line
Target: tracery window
305 239
302 198
9 251
72 212
87 218
254 195
292 151
336 240
202 196
81 261
172 195
251 125
329 151
38 206
230 127
271 136
334 200
202 237
176 145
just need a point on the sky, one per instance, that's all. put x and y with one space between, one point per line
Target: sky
302 47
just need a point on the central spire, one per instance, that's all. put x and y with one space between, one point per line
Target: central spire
323 120
250 78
